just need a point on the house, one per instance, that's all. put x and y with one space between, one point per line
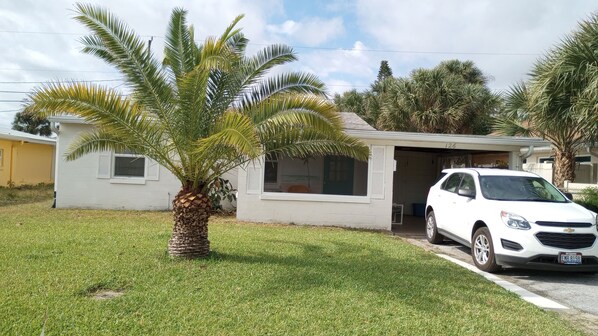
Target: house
339 191
25 158
329 190
109 180
586 164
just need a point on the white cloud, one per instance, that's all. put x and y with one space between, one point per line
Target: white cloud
471 26
311 31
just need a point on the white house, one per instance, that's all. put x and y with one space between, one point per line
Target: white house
343 192
317 190
586 164
109 180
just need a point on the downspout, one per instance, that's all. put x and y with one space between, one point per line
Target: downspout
12 147
56 129
529 153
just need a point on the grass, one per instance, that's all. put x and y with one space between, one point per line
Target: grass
261 280
26 194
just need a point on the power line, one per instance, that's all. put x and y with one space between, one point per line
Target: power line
63 81
57 70
397 51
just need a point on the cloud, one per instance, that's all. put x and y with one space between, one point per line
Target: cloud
472 26
311 31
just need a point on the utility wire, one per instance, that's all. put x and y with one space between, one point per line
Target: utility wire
63 81
397 51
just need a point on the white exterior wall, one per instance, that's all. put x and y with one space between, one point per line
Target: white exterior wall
77 183
586 172
368 212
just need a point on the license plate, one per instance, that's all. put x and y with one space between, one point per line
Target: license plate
570 258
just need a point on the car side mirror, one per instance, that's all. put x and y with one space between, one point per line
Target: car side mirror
568 195
466 192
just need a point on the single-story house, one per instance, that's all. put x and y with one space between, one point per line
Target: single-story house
316 190
25 158
586 164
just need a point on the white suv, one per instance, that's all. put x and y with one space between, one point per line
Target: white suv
511 218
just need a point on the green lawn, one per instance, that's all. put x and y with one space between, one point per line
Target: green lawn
26 194
261 280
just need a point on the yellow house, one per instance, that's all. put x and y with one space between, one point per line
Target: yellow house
25 158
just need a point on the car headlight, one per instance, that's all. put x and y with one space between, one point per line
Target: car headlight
514 221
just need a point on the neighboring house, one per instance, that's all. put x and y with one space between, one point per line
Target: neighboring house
316 190
586 168
25 158
109 180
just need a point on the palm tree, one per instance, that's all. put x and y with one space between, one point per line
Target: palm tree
206 109
450 98
560 101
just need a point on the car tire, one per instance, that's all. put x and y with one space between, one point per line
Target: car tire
432 230
482 251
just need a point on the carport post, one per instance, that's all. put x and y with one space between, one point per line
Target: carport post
515 162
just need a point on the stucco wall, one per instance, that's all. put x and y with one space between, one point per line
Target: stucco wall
586 172
78 185
31 163
371 212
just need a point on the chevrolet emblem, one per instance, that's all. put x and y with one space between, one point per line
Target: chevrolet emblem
569 230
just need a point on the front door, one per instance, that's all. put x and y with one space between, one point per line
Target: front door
338 175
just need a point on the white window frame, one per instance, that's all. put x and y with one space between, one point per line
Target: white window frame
128 179
1 157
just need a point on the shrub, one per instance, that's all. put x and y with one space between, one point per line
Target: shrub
589 199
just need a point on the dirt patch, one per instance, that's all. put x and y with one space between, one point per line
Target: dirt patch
105 294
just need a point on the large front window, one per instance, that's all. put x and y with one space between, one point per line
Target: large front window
330 175
519 188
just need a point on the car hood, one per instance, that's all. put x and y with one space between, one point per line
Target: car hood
548 211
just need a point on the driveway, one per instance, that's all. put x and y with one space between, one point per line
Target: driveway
577 291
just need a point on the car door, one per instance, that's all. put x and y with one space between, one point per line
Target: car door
444 203
463 208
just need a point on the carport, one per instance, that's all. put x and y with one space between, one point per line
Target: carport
419 159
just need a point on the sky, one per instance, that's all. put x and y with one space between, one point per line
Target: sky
341 41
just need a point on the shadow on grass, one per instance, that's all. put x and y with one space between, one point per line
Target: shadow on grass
420 279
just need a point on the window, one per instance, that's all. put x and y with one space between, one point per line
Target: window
1 158
128 164
467 183
578 159
452 183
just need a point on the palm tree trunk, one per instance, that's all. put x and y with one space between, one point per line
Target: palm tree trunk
564 167
191 210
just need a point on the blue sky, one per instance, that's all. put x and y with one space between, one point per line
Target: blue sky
342 41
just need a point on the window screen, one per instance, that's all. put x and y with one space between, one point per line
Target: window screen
129 166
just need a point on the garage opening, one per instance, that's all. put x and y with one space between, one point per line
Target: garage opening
417 169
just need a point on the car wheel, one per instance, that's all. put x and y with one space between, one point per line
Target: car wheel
431 230
482 251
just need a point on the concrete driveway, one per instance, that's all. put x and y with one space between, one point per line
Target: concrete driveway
577 291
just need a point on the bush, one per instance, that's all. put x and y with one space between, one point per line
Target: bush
221 190
589 199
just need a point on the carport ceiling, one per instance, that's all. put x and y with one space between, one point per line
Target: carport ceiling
441 150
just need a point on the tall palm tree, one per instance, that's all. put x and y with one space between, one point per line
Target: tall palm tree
207 108
560 101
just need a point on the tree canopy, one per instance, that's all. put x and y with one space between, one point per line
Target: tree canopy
560 100
30 123
452 97
203 110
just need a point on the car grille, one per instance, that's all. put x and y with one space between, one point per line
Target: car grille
564 224
570 241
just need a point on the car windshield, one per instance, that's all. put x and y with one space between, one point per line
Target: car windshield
519 188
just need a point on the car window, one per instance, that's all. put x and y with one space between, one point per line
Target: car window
452 182
519 188
467 182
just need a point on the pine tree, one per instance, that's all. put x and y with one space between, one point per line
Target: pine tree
384 72
33 124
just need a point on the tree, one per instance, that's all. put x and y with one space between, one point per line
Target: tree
451 98
560 100
30 123
206 109
384 72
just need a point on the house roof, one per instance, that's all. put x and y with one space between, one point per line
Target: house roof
357 127
10 134
448 141
352 121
